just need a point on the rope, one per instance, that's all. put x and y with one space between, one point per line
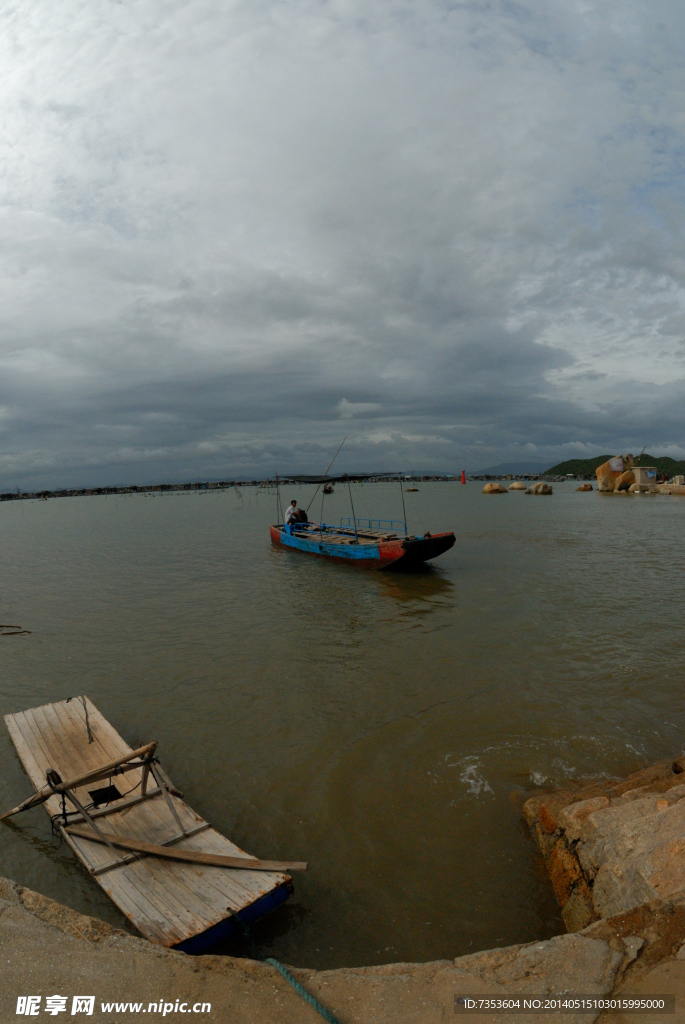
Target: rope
300 989
91 738
85 708
326 473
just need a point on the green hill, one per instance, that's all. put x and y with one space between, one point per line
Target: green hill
587 467
579 467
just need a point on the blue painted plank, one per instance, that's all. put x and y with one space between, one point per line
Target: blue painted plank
226 928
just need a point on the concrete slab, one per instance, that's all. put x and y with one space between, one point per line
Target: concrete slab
47 949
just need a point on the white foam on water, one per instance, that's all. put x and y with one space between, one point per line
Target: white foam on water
472 778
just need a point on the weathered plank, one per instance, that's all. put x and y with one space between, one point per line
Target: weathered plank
92 776
190 856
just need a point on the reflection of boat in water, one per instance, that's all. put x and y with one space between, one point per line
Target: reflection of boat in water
373 543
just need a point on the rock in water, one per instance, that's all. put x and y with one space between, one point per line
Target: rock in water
517 486
494 489
541 487
608 473
624 481
584 487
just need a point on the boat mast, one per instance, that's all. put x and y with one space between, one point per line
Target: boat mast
404 511
354 518
279 510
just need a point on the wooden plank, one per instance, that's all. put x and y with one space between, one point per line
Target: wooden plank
149 892
242 890
150 902
94 775
115 808
216 887
191 856
216 891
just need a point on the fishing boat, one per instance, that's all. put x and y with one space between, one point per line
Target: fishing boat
372 543
179 881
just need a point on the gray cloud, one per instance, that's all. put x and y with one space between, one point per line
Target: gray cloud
230 234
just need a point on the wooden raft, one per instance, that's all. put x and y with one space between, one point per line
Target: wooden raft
171 902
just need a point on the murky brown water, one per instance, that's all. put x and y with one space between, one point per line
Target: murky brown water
384 727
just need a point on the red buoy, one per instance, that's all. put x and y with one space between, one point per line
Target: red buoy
463 476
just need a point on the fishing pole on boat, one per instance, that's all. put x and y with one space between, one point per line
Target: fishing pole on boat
327 471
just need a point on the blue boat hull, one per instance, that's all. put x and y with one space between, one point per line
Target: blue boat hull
380 555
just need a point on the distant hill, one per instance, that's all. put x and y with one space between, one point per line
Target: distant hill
587 467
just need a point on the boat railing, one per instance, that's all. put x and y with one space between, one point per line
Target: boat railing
347 525
387 525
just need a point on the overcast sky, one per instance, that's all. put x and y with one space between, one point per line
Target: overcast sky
234 232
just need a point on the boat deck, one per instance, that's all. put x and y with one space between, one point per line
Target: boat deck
339 535
172 903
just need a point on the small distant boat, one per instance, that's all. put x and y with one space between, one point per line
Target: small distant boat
328 489
408 489
372 543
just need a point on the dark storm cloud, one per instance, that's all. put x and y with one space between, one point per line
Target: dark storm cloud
232 234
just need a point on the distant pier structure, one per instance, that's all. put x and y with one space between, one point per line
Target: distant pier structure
19 495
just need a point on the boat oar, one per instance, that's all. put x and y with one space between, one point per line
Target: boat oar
95 773
216 860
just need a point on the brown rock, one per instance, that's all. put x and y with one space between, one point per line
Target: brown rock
517 486
494 489
666 866
578 912
573 817
585 487
564 870
545 840
565 963
541 487
548 822
624 481
607 475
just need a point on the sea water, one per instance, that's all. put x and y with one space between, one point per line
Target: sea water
384 726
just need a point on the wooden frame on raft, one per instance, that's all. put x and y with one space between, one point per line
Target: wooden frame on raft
177 879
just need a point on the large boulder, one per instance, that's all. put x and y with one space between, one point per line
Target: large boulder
624 481
541 487
616 845
609 472
494 489
517 486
